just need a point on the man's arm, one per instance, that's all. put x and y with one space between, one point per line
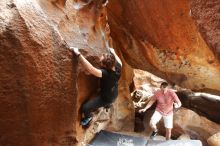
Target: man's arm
177 102
116 56
150 103
89 67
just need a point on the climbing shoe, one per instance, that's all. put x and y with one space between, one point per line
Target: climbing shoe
86 121
153 134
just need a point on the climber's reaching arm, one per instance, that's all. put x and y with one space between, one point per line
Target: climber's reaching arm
116 56
91 69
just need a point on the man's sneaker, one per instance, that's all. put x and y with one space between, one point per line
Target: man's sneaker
153 134
86 121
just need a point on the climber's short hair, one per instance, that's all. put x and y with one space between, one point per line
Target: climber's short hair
163 85
108 60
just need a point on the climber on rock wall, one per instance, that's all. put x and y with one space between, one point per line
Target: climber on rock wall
109 76
165 99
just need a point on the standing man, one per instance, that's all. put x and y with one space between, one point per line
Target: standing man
165 99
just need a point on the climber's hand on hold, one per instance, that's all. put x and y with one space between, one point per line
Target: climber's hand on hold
75 50
104 3
64 43
111 50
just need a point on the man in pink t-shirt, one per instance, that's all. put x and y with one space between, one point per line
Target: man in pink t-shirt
165 99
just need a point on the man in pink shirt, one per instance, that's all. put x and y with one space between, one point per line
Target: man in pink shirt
165 99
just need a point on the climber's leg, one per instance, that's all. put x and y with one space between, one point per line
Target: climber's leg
90 105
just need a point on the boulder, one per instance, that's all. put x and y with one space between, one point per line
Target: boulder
204 104
166 39
184 137
206 15
214 140
42 85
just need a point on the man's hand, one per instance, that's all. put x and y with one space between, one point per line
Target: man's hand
64 43
75 50
112 50
142 110
176 105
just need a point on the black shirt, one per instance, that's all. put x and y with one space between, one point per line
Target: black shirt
109 82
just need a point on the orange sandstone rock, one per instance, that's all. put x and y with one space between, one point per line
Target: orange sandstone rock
175 40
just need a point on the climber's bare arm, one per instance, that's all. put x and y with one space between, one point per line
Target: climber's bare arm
89 67
116 56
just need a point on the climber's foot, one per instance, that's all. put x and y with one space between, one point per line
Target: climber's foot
86 121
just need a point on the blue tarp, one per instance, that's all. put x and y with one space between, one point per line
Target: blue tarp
105 138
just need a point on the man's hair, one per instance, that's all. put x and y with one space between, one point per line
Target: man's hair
108 60
164 85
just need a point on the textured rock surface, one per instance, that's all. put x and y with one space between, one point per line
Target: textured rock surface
198 127
38 78
184 137
207 15
214 140
203 105
41 88
162 37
